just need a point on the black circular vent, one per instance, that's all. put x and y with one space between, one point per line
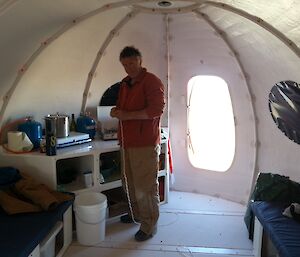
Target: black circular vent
284 105
164 3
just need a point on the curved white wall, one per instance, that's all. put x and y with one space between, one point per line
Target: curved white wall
197 50
56 80
267 61
26 24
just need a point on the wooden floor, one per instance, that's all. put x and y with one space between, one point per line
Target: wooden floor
190 225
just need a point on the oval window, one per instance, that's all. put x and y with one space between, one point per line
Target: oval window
211 130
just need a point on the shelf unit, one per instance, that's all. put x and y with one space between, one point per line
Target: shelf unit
163 174
65 171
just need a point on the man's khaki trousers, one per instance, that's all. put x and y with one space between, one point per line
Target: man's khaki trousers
140 181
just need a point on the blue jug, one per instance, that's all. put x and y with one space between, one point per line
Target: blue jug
86 124
33 129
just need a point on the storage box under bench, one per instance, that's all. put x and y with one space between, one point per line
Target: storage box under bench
29 234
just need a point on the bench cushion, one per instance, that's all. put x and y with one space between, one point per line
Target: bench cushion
21 233
284 232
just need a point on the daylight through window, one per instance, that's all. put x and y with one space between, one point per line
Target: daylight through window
211 130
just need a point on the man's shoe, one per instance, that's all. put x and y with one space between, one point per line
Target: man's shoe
142 236
127 219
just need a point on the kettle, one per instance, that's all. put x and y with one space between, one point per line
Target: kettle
86 124
33 129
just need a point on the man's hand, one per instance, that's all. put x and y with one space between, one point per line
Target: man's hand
113 112
119 114
124 115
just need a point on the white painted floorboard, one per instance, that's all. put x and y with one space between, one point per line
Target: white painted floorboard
190 225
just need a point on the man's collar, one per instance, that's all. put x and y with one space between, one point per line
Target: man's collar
141 75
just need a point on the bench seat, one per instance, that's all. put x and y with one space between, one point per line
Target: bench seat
284 232
20 234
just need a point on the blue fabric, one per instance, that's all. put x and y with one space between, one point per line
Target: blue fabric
8 176
21 233
284 232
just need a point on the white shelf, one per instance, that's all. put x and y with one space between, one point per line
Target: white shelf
111 185
84 157
73 186
71 151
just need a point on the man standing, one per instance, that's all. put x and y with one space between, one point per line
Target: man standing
139 107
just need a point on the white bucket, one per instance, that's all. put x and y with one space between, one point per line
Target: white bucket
90 214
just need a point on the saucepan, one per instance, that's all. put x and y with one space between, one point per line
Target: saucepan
57 124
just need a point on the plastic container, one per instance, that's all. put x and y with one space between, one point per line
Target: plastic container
86 124
87 178
33 129
90 213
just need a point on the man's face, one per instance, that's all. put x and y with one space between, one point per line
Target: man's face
132 65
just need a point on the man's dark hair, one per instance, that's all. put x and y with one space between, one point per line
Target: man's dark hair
130 51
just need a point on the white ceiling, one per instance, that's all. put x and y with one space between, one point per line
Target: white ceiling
26 25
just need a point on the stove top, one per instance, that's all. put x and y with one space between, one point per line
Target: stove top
74 138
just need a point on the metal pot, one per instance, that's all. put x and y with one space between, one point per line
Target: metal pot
57 124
